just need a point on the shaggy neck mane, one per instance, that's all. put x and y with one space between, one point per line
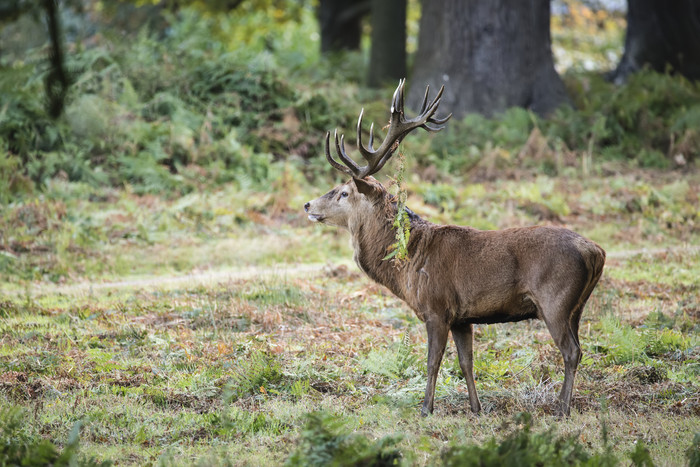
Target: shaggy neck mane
372 234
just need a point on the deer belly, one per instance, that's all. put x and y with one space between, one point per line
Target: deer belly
495 309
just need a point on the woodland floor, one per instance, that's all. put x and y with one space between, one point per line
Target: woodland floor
214 356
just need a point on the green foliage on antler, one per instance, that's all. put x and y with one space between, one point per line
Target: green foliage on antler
402 224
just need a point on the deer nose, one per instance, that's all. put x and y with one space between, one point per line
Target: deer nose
306 207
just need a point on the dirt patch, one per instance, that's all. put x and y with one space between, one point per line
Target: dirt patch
127 381
19 388
631 395
647 374
341 272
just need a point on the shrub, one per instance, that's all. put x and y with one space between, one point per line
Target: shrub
19 448
523 447
325 441
652 117
253 374
396 364
693 452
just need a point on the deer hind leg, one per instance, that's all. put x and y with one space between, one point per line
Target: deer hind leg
562 321
571 351
463 338
437 340
569 344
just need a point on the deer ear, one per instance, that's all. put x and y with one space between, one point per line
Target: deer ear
365 187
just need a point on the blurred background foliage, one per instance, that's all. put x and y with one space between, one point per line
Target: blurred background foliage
170 97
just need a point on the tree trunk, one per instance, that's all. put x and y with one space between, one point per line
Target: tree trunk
387 60
661 34
490 54
341 24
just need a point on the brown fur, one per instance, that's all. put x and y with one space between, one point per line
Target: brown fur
460 276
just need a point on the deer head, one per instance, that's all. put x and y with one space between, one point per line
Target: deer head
336 206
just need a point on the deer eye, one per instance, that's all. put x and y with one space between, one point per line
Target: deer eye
344 194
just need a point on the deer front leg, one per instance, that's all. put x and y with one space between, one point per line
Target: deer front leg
437 340
464 342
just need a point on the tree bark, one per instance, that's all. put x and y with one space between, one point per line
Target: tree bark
341 24
490 54
57 80
387 60
661 35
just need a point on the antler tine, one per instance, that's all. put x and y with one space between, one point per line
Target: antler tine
432 128
359 130
359 125
439 123
397 99
425 100
329 157
427 113
340 148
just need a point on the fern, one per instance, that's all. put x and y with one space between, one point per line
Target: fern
394 365
405 359
398 251
300 388
253 374
527 448
19 448
239 421
693 452
326 440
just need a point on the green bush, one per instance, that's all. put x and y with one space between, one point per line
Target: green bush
650 120
399 363
208 103
693 452
254 374
19 448
651 117
143 111
326 441
523 447
623 344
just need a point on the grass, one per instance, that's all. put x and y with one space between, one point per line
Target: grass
163 296
228 369
61 237
205 328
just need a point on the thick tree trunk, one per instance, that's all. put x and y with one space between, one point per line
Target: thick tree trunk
341 24
387 60
661 34
490 55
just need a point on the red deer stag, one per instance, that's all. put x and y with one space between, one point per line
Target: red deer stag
459 276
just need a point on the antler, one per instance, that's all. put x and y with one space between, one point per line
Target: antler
399 127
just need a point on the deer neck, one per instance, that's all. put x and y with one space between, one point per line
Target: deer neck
372 234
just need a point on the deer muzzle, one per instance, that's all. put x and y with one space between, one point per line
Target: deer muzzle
313 217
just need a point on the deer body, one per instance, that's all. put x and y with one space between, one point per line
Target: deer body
460 276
